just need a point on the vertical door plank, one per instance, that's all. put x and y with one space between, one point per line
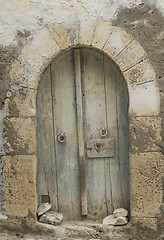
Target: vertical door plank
46 176
64 106
111 75
94 121
80 132
123 126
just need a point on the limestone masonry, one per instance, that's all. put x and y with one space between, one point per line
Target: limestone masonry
32 34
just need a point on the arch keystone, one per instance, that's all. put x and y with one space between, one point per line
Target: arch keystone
86 31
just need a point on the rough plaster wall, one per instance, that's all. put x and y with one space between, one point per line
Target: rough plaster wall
21 19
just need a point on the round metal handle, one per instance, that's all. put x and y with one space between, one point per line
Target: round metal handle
62 137
103 132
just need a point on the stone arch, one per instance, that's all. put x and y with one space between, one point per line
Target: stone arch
113 41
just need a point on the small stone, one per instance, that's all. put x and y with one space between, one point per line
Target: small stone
43 208
120 212
51 217
121 221
110 220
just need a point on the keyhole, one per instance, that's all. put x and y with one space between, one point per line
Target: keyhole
98 147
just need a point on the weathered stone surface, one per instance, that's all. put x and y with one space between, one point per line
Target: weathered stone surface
130 56
150 223
115 221
111 220
102 33
43 208
145 134
60 34
19 187
120 212
146 184
86 31
141 104
32 58
73 33
121 221
20 136
117 41
44 44
143 21
141 73
22 102
51 217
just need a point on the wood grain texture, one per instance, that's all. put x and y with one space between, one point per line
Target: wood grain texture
81 93
94 121
111 77
65 121
82 158
123 126
46 177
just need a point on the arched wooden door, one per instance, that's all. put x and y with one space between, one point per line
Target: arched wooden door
82 135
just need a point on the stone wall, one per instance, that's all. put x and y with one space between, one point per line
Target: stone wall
32 34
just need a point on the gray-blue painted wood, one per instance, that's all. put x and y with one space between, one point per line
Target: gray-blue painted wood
77 103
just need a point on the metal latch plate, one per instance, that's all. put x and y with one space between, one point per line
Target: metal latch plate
100 148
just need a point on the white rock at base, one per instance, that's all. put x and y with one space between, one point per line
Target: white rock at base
110 220
43 208
121 221
51 217
120 212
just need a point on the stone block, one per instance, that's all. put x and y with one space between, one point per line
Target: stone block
22 103
141 73
120 212
146 172
73 32
51 217
145 134
117 41
145 222
43 208
20 185
130 56
86 31
33 56
102 32
27 75
19 136
44 44
144 99
60 34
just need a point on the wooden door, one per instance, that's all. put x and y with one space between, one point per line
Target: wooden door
82 135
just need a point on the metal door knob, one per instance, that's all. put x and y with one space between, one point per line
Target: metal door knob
62 137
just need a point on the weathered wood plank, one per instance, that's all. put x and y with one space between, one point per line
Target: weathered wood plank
45 142
100 148
80 132
94 121
111 75
65 122
123 126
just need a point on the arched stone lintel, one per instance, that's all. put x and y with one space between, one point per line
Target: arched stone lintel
115 42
